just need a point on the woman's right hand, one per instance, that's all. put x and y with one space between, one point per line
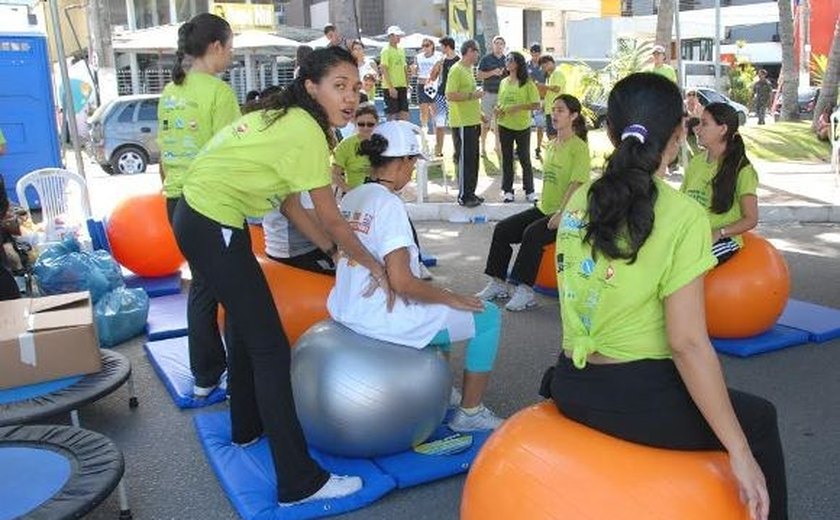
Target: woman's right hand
463 302
751 484
381 281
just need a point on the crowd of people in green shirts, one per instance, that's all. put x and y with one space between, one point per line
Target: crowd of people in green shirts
634 361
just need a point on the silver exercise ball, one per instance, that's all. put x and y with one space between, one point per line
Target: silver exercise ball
360 397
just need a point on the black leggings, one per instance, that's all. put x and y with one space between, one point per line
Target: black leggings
259 379
207 352
646 402
530 227
522 139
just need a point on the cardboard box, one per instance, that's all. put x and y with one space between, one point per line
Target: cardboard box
47 338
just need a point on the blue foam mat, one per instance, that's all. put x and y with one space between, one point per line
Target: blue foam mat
247 476
428 260
157 286
546 291
821 323
777 338
412 469
171 361
167 317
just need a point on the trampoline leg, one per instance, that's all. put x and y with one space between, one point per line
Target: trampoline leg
74 418
132 394
125 510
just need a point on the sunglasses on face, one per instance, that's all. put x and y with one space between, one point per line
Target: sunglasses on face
365 124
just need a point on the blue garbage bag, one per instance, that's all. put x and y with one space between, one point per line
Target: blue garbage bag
120 315
63 268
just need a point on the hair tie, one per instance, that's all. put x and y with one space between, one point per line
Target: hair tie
637 131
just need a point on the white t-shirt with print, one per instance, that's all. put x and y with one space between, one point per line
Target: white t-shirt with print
380 221
425 64
282 238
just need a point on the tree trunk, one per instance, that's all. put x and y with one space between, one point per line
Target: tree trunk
343 15
828 91
790 74
489 21
665 25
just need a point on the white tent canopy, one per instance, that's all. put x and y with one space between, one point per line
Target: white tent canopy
165 39
415 40
368 42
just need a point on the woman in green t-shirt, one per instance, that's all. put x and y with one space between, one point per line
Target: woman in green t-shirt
193 107
567 165
722 180
350 168
637 362
247 169
518 96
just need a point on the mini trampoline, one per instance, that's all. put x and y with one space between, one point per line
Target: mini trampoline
57 472
31 403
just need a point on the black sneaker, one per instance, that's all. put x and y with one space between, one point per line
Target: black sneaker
472 202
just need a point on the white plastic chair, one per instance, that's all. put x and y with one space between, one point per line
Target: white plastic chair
834 134
423 168
62 194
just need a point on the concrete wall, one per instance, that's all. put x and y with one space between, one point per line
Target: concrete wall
416 16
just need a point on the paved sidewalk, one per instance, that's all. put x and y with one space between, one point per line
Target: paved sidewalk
788 192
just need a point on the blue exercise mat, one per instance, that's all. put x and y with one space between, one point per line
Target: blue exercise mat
412 469
171 360
167 317
157 286
777 338
22 393
546 291
428 260
98 235
821 323
247 476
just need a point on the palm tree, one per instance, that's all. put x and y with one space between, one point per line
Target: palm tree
790 78
828 92
489 21
665 25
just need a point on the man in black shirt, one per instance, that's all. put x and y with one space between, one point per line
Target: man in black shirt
441 71
491 70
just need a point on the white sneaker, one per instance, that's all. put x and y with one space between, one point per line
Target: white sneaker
532 197
495 289
424 272
337 486
484 419
455 398
523 298
203 392
507 197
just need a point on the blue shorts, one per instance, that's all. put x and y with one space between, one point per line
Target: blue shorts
538 119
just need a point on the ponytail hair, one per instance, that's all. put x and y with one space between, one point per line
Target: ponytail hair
373 148
194 37
643 112
733 160
314 68
573 105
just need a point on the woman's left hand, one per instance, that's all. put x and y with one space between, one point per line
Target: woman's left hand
465 303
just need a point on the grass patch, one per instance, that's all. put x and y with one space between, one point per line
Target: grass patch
785 142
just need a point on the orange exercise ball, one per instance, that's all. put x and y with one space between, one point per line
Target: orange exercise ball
257 239
747 294
547 273
299 295
541 466
141 238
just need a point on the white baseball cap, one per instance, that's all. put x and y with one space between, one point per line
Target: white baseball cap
395 29
658 48
403 139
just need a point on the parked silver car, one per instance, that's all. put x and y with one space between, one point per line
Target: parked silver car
123 134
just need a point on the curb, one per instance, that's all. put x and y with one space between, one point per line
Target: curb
451 212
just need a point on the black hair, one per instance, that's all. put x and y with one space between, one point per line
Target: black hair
535 47
194 37
328 28
252 95
545 58
313 68
578 123
367 109
373 148
620 203
447 41
521 67
468 45
301 53
734 158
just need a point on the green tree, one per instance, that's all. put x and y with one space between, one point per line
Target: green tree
831 78
742 75
665 25
490 22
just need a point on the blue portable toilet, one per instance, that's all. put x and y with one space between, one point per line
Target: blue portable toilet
27 109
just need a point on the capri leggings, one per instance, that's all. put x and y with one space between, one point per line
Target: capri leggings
483 341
